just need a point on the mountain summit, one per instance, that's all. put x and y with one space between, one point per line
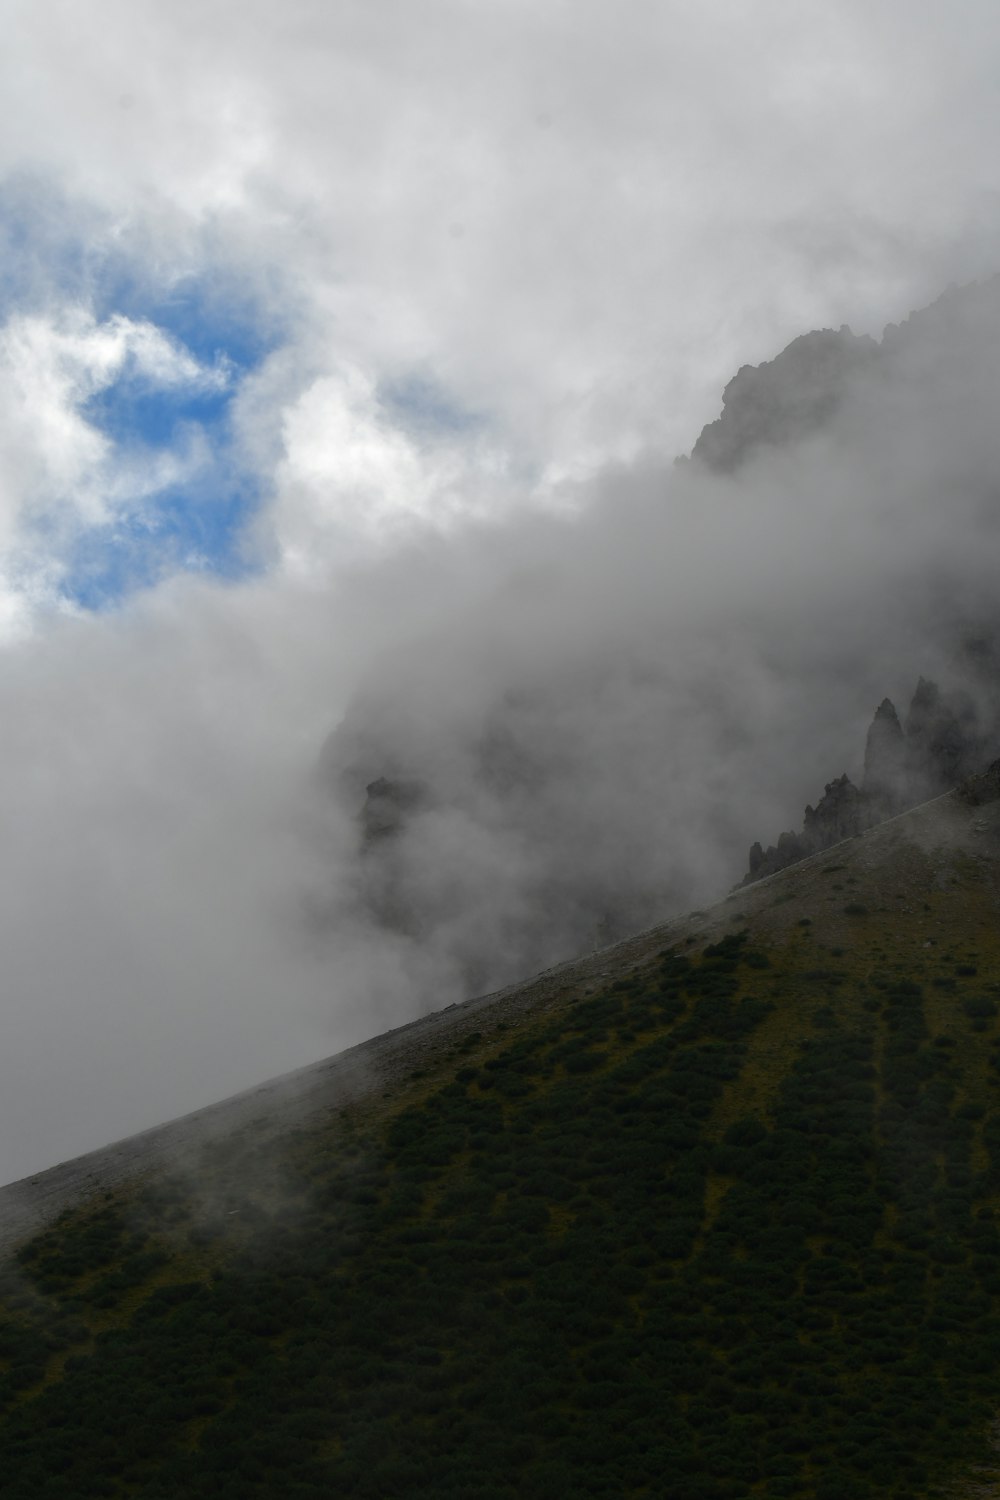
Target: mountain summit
784 399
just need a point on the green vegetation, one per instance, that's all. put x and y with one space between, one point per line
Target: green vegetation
727 1228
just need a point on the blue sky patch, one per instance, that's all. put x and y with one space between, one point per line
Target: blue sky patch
175 532
197 524
213 320
132 412
55 249
57 252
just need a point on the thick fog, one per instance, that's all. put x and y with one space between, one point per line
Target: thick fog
601 708
345 351
632 696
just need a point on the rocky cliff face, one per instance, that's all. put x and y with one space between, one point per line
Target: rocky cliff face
943 742
785 398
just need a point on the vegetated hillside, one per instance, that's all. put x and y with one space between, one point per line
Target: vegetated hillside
711 1214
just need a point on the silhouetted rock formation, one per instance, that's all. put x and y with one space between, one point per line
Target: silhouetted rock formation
841 812
785 398
940 744
885 759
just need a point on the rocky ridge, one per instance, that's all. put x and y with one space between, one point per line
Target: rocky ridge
795 395
942 742
784 399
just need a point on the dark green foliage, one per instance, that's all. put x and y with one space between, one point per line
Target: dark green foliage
979 1007
558 1274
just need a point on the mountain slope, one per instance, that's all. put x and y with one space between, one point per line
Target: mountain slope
708 1214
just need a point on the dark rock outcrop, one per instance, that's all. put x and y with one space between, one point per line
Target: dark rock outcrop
941 742
885 759
841 812
785 398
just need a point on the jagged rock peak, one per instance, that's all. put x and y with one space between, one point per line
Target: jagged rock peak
838 815
841 812
941 742
886 715
785 398
885 756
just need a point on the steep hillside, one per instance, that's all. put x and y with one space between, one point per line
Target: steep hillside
708 1214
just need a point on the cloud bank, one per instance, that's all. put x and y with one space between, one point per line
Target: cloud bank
575 228
344 354
595 738
601 708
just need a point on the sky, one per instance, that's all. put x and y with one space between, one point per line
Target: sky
340 345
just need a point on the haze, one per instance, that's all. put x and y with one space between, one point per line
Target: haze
345 353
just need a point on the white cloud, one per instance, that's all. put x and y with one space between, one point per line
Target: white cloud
59 472
579 220
606 708
350 479
582 221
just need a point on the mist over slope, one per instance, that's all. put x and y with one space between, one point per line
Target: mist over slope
713 1212
592 731
581 719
